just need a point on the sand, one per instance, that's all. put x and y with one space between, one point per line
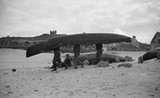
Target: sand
30 78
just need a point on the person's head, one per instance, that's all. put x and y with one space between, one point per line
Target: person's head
140 59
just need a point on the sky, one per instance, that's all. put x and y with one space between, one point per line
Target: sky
26 18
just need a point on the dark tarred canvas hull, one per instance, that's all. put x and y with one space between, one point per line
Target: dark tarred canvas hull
90 38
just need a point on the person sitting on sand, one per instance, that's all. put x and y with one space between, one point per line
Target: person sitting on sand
67 61
149 55
57 59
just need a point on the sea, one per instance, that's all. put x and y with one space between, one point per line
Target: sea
13 58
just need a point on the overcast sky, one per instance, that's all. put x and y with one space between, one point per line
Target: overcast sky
34 17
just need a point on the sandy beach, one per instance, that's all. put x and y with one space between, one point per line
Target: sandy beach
22 77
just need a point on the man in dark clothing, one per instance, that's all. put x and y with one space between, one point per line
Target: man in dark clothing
67 61
99 52
149 55
57 59
76 50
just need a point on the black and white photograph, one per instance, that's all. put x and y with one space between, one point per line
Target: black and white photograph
79 48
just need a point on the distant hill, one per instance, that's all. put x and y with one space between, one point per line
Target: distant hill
25 42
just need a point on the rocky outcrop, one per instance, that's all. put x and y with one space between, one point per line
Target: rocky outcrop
155 42
133 46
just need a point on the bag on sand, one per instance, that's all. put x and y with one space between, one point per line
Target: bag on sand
102 64
128 65
86 62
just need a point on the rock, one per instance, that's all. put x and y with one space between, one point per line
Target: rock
7 86
152 95
36 90
10 92
103 64
13 70
156 89
85 91
128 65
5 73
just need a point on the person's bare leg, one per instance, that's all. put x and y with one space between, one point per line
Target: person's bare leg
75 63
